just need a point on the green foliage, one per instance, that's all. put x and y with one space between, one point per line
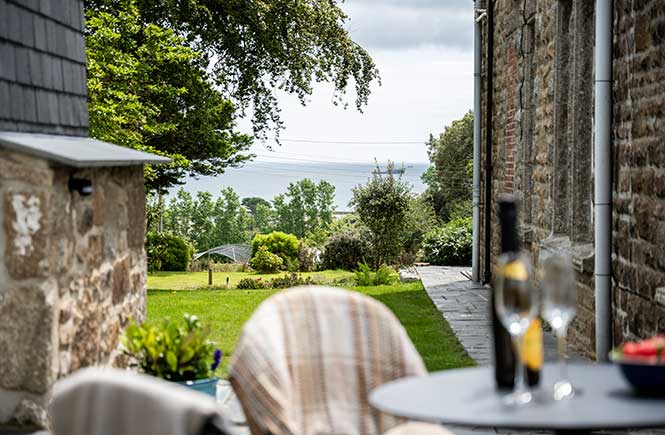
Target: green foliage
258 50
384 275
204 221
345 249
290 280
420 220
265 261
167 252
286 281
253 284
449 245
149 89
171 350
284 245
448 179
304 208
382 206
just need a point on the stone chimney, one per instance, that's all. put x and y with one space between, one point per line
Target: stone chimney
72 214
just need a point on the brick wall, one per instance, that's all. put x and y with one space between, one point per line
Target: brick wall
542 148
42 67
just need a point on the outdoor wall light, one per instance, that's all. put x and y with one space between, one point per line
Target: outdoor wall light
82 185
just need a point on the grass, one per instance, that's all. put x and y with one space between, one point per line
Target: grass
225 311
199 280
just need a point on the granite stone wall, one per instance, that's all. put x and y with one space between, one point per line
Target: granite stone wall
71 276
42 67
543 141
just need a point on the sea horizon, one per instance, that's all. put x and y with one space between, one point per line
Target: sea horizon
265 179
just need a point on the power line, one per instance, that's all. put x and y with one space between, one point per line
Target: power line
358 142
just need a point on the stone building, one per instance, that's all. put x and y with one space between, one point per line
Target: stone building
72 213
542 142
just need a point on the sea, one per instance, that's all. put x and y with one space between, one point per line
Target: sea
266 179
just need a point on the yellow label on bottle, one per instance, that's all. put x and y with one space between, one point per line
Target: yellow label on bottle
515 270
533 345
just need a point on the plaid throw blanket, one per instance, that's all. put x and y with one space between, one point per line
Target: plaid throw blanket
308 358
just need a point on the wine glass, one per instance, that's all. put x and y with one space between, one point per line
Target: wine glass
559 308
517 305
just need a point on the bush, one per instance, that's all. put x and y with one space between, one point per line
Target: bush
167 252
253 284
449 245
202 265
172 351
385 275
265 261
290 280
309 258
345 250
284 245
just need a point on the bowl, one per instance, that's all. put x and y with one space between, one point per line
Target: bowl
644 374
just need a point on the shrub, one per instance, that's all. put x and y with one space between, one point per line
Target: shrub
449 245
385 275
265 261
278 243
172 351
309 258
290 280
345 250
167 252
253 284
202 265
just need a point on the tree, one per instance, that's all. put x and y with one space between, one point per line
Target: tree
448 178
252 202
305 207
257 49
149 89
206 222
382 206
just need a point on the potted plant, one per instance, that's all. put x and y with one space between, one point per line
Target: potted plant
173 351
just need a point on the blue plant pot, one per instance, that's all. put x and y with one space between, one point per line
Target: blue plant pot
206 386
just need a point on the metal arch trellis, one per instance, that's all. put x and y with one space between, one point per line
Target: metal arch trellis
237 253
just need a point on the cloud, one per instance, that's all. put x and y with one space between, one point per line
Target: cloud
397 25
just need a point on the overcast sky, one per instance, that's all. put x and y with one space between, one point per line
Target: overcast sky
423 49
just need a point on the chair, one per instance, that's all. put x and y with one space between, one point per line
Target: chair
99 401
308 358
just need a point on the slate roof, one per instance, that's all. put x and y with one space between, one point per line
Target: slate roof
43 67
76 151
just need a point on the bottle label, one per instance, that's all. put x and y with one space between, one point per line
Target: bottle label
533 346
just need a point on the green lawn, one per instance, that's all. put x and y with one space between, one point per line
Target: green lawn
199 280
225 311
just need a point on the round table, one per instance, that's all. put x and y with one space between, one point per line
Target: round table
467 397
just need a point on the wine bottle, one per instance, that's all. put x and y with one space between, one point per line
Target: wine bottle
513 268
504 355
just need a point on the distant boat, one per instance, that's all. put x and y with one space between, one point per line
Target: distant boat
392 171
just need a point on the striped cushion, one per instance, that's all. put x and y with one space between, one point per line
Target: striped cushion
308 358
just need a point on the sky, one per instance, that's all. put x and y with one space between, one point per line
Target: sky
423 50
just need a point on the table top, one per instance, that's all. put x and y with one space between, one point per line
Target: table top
467 397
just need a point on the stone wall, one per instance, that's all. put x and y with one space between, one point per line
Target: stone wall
42 67
72 273
543 142
639 168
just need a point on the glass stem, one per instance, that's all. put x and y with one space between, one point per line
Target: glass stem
562 350
520 379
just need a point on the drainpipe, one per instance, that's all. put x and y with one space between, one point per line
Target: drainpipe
603 179
488 139
477 81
